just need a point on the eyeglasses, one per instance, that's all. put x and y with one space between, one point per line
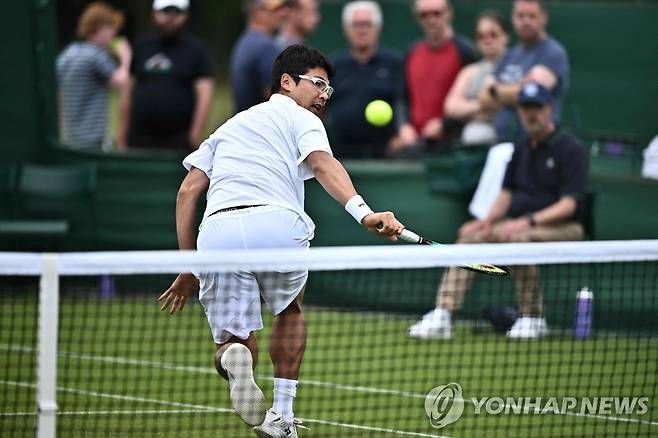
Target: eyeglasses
363 24
320 84
484 35
436 13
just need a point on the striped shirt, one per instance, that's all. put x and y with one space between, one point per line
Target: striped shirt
83 71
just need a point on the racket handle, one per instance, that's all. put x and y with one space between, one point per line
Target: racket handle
410 236
406 235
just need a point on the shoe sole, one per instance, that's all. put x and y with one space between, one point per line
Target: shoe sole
263 434
526 337
247 398
438 336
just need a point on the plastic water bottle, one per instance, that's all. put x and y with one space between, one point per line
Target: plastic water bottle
584 307
107 290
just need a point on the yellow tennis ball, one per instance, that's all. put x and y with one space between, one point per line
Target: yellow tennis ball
379 113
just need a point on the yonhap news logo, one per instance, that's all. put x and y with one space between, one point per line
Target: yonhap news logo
445 404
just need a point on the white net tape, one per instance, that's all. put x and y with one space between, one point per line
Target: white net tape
334 258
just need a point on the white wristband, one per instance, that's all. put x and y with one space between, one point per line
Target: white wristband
358 208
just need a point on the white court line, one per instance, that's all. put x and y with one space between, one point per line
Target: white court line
364 389
120 397
143 412
208 370
202 408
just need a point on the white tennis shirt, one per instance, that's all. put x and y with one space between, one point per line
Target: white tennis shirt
257 157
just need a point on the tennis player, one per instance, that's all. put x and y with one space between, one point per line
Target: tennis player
253 169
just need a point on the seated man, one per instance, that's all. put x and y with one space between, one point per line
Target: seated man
542 200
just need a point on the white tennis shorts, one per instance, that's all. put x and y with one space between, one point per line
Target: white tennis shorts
232 300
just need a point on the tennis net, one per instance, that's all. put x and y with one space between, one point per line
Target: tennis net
83 339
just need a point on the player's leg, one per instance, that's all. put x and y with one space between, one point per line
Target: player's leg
250 343
235 360
287 346
231 302
282 292
288 340
232 305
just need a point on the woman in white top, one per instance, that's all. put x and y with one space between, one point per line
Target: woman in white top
462 102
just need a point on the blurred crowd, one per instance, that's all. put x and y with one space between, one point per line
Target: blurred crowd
451 87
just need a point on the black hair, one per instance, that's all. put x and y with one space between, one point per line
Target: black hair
298 59
494 16
541 3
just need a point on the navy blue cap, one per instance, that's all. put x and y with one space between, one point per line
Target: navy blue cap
534 93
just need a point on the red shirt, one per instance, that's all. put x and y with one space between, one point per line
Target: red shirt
430 74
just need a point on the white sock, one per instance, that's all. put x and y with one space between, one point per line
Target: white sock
285 391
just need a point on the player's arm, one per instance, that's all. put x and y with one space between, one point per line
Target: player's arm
193 186
335 180
191 189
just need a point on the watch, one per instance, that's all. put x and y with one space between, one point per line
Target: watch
531 219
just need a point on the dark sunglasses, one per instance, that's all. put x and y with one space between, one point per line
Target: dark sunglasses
483 35
172 10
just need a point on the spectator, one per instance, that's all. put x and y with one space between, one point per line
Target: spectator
85 69
431 67
171 87
463 102
536 57
254 53
301 20
364 73
542 200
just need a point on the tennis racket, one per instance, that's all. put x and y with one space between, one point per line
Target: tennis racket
482 268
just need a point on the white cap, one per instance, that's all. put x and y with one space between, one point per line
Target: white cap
159 5
585 294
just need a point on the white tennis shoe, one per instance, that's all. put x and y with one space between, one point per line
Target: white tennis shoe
247 398
435 324
527 327
275 426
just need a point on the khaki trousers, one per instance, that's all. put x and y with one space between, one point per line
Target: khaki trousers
456 281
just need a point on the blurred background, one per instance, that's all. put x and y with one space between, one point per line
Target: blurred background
610 104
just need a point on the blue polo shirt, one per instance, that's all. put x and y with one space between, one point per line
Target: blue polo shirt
541 176
251 68
514 65
355 86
